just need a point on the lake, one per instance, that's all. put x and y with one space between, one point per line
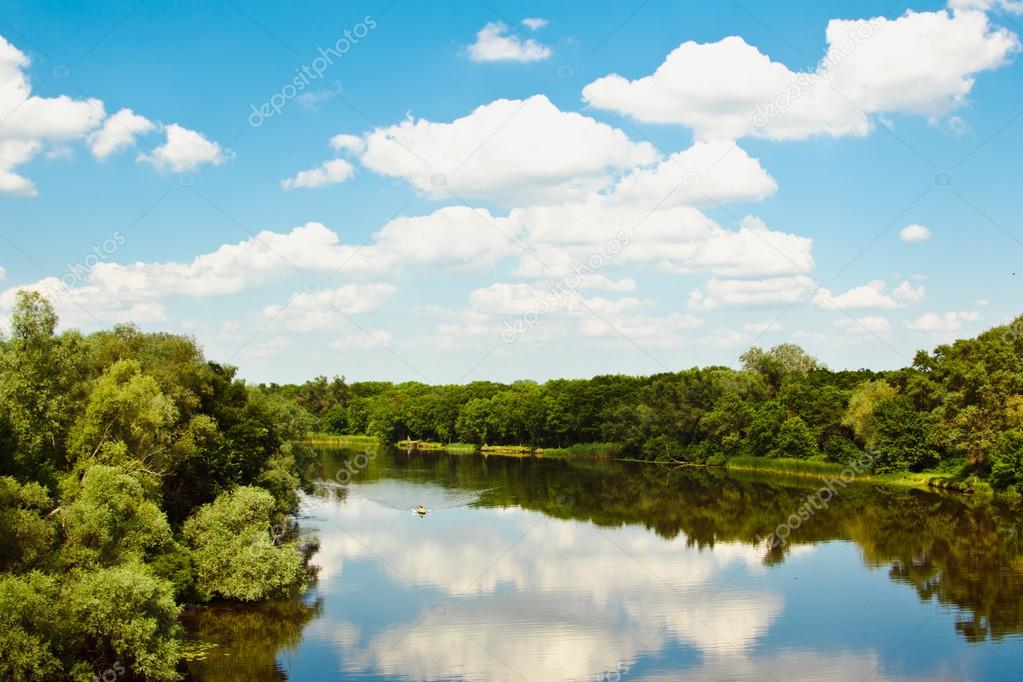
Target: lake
547 570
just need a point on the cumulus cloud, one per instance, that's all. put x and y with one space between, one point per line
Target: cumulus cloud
327 173
1010 6
871 295
949 322
495 44
327 309
535 23
458 237
31 121
920 63
679 239
508 151
720 292
708 173
34 124
348 143
914 233
184 150
118 133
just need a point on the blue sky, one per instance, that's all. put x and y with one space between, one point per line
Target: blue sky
614 187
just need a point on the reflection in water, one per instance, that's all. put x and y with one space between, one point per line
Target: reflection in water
550 570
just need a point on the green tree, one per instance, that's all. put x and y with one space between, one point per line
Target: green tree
233 552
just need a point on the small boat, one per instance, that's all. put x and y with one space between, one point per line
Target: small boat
421 510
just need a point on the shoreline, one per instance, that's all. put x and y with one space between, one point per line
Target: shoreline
780 467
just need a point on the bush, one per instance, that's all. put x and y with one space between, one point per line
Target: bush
232 550
1007 461
795 440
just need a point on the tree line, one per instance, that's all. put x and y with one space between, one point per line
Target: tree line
135 477
958 408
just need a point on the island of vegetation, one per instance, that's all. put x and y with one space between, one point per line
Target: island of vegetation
138 478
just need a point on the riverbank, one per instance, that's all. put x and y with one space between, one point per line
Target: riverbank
777 466
827 470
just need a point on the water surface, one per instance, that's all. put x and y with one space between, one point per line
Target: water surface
540 570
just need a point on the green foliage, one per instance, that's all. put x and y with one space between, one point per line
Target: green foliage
27 536
1007 462
107 444
794 440
107 519
860 414
901 437
233 552
30 628
125 614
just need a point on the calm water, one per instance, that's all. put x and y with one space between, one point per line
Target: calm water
549 570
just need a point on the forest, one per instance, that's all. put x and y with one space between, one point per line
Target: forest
136 477
957 409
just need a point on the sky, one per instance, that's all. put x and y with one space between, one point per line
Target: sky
515 190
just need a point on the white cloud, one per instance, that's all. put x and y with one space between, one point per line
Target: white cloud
495 44
458 237
645 330
679 239
1011 6
914 233
908 294
920 63
371 338
708 173
331 172
535 23
348 143
750 292
33 124
871 295
118 133
949 322
230 269
870 324
13 153
327 309
184 150
509 151
31 121
3 273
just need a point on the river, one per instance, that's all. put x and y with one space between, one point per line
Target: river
548 570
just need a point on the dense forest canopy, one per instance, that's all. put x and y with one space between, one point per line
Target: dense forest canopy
135 476
956 409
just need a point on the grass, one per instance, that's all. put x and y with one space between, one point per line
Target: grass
339 439
585 451
430 445
818 469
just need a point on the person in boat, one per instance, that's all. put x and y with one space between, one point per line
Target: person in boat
421 510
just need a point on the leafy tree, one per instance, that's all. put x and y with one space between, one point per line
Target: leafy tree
233 552
107 519
28 536
860 414
1007 461
794 440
